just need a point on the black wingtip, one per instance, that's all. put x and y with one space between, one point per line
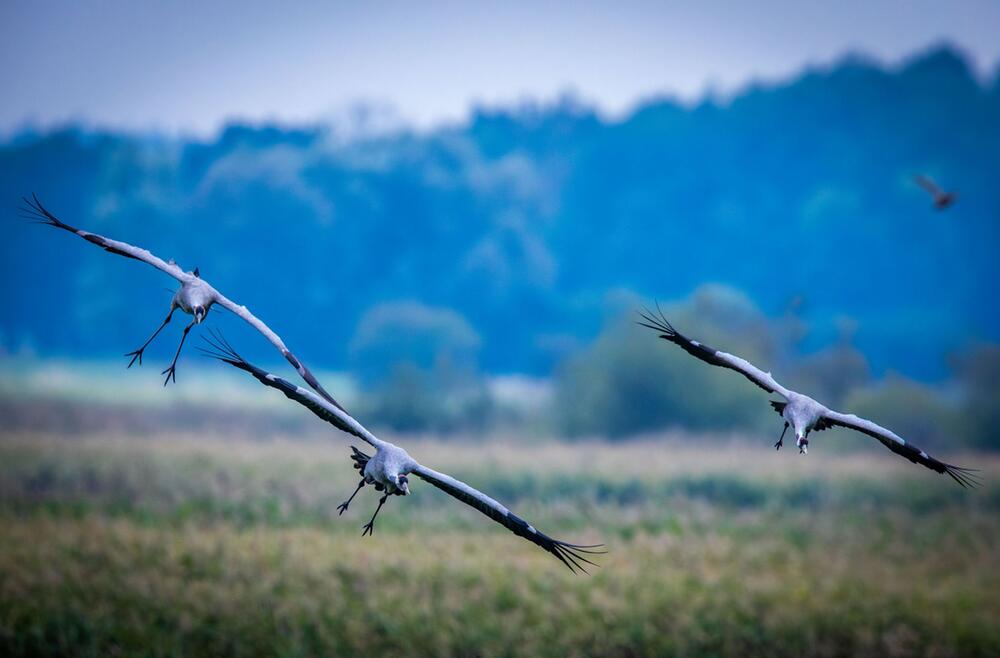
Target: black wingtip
34 211
573 554
219 348
966 477
657 322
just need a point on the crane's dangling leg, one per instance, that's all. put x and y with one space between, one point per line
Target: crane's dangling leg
370 526
777 446
172 370
138 353
343 506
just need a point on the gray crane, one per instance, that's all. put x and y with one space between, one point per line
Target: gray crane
799 411
195 296
388 468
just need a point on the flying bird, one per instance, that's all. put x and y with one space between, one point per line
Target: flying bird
940 198
388 468
195 296
799 411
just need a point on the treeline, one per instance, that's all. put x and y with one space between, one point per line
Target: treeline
522 222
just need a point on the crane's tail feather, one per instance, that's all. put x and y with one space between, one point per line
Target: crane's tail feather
360 459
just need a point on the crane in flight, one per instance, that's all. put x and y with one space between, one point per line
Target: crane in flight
799 411
388 468
939 197
195 296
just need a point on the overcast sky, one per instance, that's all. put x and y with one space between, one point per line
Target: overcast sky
188 66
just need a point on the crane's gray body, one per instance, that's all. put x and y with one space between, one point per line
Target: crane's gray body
799 411
802 413
194 294
194 297
387 465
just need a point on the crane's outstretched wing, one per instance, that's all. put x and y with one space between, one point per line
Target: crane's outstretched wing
964 476
708 355
35 211
221 349
569 554
274 339
928 184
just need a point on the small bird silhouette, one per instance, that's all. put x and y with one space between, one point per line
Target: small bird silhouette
941 199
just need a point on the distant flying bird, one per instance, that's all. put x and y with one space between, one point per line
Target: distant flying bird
800 411
941 199
195 296
388 469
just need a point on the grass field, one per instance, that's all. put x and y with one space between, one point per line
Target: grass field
204 545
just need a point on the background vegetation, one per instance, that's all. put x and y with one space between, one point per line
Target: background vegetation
183 545
510 234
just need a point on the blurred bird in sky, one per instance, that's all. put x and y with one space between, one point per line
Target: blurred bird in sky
800 411
940 198
195 296
388 469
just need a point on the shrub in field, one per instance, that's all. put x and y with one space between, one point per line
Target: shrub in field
979 374
628 381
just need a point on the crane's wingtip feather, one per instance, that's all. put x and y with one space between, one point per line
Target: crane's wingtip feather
964 476
657 322
221 349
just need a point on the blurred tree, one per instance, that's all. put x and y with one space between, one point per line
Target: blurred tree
914 411
418 364
405 402
629 382
407 331
979 375
832 373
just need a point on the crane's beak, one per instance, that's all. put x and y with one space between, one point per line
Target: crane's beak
803 444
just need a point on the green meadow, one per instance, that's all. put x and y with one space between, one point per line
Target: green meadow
201 544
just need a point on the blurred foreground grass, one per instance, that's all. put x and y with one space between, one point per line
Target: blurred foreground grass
199 545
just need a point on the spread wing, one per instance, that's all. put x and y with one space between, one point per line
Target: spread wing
35 211
251 319
220 349
964 476
569 554
762 379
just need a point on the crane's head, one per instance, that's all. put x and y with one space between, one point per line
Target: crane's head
802 441
402 485
199 314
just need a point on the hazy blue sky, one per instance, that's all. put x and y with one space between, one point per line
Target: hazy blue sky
190 65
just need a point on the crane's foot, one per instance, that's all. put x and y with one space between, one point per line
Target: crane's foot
171 373
370 526
136 355
777 446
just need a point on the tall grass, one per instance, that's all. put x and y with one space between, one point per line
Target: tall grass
203 546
